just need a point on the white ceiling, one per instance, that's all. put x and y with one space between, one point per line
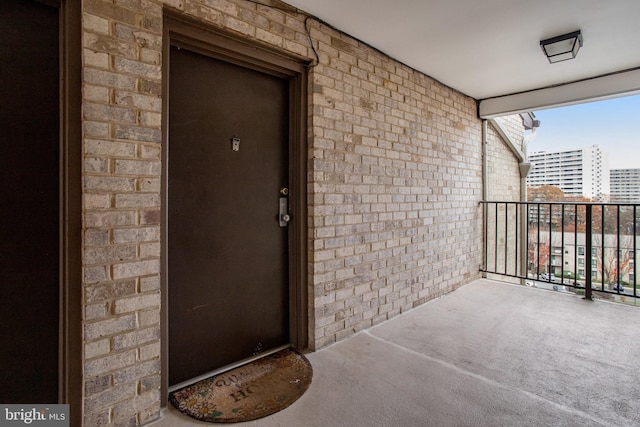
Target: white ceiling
491 48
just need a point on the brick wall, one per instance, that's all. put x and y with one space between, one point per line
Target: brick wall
503 184
503 176
121 121
395 176
514 127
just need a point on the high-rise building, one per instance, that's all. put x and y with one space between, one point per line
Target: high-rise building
577 172
625 185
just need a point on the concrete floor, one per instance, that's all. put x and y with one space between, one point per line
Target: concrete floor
488 354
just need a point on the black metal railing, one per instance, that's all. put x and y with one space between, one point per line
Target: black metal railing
586 247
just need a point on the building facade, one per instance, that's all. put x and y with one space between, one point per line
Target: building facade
567 258
625 185
577 172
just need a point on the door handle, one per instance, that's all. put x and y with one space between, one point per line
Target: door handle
283 209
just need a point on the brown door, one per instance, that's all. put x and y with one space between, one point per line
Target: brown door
227 251
29 202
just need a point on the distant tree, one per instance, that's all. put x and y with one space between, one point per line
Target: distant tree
629 214
608 258
547 214
611 216
577 199
575 215
545 193
538 251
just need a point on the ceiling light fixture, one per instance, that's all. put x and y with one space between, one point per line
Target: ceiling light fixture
562 48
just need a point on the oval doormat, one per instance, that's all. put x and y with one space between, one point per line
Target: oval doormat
249 392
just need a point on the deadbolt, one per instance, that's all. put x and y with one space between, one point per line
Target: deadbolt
284 191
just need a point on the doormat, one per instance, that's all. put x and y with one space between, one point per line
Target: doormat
249 392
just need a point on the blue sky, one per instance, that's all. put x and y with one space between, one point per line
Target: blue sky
613 125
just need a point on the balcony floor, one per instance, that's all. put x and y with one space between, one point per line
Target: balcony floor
488 354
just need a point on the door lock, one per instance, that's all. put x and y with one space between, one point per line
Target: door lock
283 212
283 209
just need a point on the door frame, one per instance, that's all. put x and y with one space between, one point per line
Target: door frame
183 31
70 330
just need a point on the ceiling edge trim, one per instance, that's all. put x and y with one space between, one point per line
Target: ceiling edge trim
594 89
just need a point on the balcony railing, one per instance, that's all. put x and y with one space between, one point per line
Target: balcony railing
589 247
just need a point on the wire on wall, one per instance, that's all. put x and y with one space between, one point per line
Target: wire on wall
306 26
313 48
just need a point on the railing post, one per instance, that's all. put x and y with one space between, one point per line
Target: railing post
485 212
588 252
521 252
